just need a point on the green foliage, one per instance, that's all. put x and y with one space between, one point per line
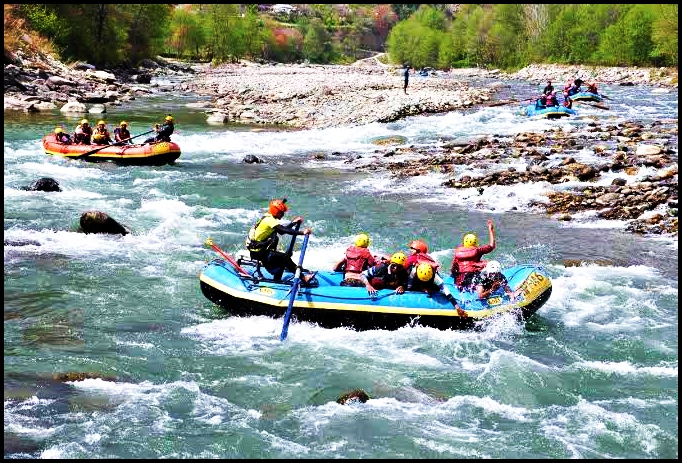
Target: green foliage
435 35
664 34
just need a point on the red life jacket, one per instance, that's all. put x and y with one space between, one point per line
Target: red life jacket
468 259
358 259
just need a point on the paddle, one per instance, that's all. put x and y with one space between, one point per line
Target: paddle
294 290
594 104
86 154
290 248
229 258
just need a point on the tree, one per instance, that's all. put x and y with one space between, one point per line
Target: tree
664 34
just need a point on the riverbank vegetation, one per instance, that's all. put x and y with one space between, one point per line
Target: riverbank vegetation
504 36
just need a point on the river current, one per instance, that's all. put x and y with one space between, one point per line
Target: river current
593 374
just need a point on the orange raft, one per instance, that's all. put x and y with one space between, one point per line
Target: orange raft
155 154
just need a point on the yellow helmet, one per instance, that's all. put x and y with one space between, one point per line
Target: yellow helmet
85 121
470 240
362 240
399 258
169 118
122 123
58 130
101 122
424 271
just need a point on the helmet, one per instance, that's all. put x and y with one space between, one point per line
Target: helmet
492 267
470 240
419 245
58 130
169 118
123 123
84 121
399 258
101 122
278 206
424 271
362 240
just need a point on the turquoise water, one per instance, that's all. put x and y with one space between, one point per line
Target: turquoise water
592 375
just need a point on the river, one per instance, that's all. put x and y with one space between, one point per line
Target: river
592 375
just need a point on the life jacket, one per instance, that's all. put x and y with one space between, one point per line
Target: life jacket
262 235
468 259
357 259
101 135
122 134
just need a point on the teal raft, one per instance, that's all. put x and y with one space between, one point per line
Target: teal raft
587 96
244 288
550 112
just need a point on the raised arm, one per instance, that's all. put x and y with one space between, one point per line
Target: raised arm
491 233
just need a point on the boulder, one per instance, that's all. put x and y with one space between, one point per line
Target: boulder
143 78
74 107
354 396
217 118
100 222
648 150
103 75
97 109
251 159
43 184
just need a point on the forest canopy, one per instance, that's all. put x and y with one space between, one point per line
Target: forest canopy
504 36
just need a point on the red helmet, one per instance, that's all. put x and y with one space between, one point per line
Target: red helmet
278 206
419 245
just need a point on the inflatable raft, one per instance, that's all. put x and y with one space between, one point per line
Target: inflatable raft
550 112
587 96
150 154
244 288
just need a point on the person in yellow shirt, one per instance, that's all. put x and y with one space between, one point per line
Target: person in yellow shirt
263 238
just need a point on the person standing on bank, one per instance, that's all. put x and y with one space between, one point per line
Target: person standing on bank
406 75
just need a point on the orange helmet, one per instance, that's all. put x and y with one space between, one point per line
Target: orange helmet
419 245
278 206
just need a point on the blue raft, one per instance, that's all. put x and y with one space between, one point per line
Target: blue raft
325 302
586 96
550 112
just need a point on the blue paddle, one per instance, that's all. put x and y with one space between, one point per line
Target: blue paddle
294 290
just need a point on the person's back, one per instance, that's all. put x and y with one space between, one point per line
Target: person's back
552 99
548 88
466 260
357 258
